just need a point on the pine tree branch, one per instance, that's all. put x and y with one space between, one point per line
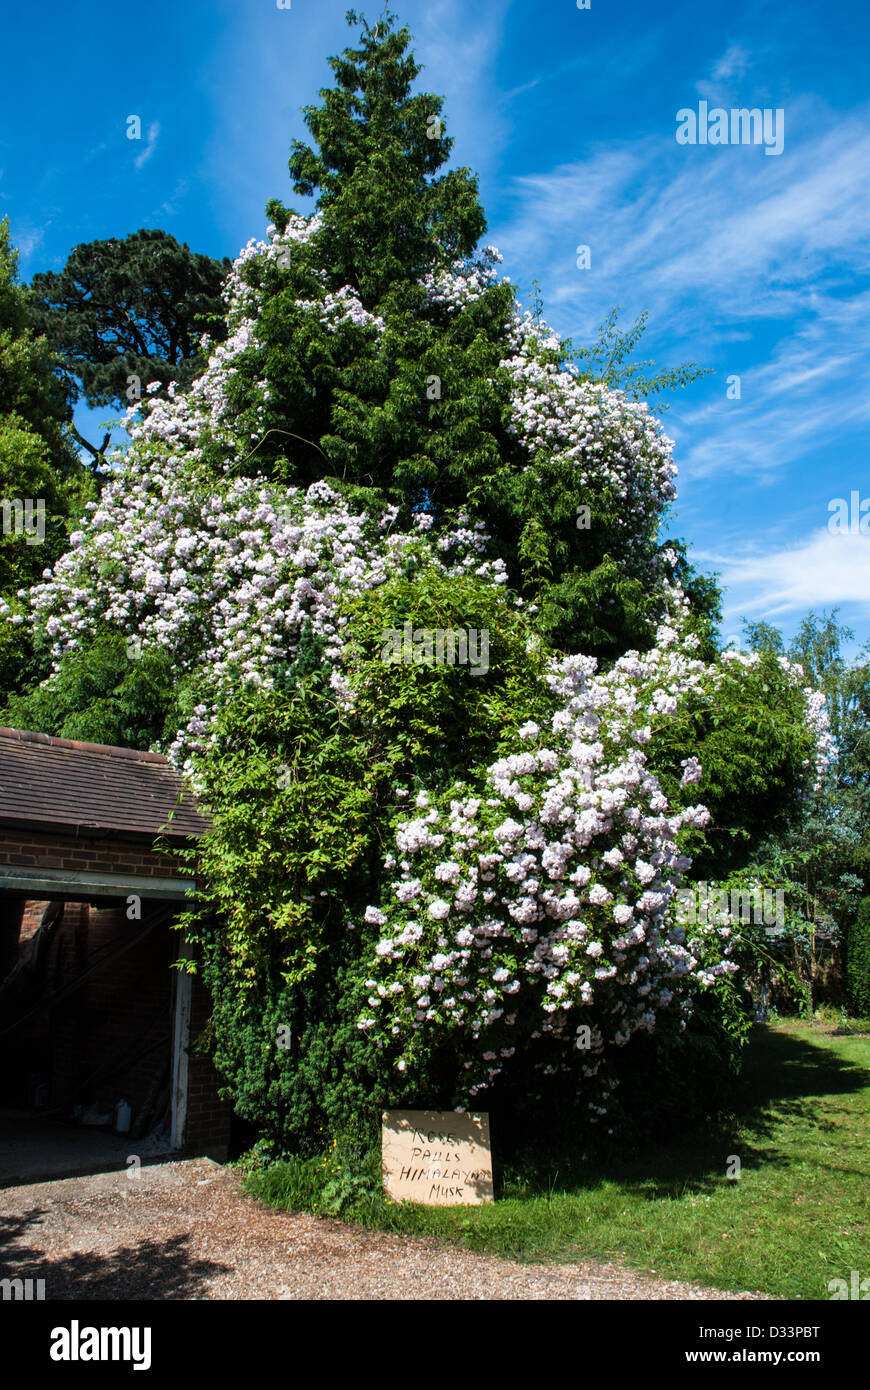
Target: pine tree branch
97 453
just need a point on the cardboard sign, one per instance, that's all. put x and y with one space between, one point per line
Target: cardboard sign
437 1157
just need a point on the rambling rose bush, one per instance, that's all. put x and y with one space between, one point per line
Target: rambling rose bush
540 901
350 453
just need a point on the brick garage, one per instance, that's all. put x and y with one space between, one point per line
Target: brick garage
91 1010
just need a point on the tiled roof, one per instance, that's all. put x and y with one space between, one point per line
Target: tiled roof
58 783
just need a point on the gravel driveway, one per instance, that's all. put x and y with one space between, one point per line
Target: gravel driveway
185 1230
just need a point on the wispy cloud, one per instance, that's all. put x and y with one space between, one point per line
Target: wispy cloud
720 226
169 207
728 69
815 386
824 571
28 239
150 146
732 63
743 265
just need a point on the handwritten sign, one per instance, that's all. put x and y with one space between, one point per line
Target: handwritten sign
437 1157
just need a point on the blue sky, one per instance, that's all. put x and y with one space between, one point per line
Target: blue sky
755 265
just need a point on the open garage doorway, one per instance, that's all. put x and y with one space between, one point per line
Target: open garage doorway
99 1067
89 1043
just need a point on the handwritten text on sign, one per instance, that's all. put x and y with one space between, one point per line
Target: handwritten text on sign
437 1157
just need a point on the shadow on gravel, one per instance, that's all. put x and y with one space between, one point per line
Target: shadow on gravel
151 1269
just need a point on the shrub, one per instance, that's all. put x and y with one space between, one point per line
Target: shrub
858 961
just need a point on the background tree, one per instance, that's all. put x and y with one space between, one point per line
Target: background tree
105 693
819 853
129 308
38 462
29 387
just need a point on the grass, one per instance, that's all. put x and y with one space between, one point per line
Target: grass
797 1216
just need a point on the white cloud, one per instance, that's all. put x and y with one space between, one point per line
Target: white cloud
169 207
742 266
150 146
721 84
815 385
721 225
733 63
824 571
28 239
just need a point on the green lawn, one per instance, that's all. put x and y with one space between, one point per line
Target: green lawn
798 1216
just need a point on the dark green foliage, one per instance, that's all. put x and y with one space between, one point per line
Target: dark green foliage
858 961
131 307
294 795
386 216
101 695
675 1079
610 609
433 723
39 468
422 415
30 393
52 502
302 794
753 745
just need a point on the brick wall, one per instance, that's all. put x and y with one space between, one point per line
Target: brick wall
208 1118
43 850
32 918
